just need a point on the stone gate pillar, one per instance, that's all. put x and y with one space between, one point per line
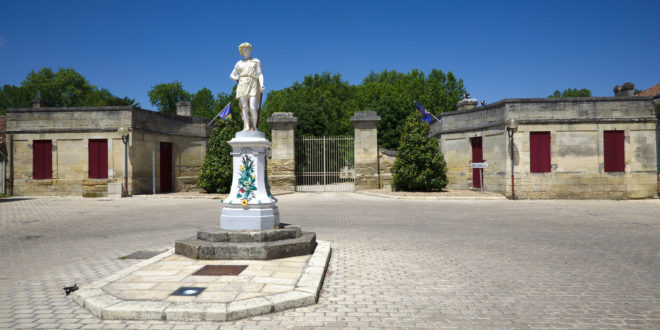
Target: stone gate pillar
282 165
366 149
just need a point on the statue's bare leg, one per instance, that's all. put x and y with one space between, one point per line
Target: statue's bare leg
254 113
244 113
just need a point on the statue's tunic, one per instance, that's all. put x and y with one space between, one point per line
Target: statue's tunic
248 83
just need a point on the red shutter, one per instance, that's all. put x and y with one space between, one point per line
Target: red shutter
37 170
614 152
98 159
42 160
539 152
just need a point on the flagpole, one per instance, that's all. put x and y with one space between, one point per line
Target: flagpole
216 116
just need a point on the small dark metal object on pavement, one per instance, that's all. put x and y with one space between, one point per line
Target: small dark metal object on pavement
187 291
69 289
219 270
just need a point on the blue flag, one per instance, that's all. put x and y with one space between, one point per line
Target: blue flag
226 112
426 116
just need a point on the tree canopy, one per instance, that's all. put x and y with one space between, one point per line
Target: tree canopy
204 105
63 88
216 174
164 96
419 165
571 92
392 95
324 102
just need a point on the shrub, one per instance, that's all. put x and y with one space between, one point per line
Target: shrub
419 165
217 169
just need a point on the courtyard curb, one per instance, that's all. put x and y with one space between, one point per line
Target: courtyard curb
107 306
431 198
194 196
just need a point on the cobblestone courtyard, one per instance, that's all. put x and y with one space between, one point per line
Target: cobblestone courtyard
395 263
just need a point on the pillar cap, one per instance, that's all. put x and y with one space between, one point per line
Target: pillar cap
365 119
283 121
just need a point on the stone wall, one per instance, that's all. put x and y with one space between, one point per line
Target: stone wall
4 168
386 159
576 126
281 165
70 129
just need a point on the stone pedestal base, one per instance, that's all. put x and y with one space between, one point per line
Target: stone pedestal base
216 244
257 217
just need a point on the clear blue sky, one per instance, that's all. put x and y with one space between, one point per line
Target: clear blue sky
500 49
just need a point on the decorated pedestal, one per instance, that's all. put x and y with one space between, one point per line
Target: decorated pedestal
250 222
250 205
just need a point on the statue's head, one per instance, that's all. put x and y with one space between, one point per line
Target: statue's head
242 47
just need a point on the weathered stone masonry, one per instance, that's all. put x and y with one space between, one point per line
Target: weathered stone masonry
281 166
366 149
70 129
576 127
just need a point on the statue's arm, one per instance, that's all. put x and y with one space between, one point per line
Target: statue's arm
261 77
234 74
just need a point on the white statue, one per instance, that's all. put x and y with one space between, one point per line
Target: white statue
247 72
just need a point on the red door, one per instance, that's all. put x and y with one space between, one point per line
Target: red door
98 158
477 157
165 167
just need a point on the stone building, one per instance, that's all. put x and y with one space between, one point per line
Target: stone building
593 147
3 155
78 151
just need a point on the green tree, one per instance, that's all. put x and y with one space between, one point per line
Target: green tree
571 92
203 104
14 97
165 96
222 99
217 168
64 88
419 166
392 95
323 104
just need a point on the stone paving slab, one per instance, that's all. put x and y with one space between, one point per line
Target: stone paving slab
424 264
144 291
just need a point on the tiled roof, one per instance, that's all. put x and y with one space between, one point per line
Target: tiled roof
653 91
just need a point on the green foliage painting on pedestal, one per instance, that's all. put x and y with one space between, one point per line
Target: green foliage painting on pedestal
419 166
246 180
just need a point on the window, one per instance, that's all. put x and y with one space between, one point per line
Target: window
42 159
98 159
613 142
539 152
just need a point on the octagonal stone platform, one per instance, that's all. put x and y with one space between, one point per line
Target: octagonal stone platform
217 244
145 291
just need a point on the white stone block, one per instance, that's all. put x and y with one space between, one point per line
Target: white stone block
135 310
248 307
292 299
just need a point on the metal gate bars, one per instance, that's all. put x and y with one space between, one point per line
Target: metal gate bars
325 163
